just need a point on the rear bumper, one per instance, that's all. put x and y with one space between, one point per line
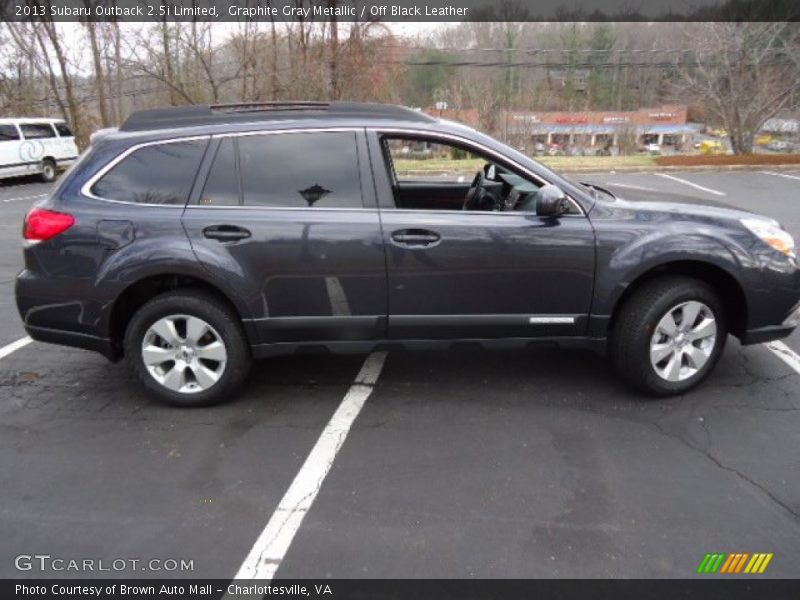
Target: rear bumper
73 339
52 312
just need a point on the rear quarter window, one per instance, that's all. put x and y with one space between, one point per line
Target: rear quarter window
8 133
63 130
36 131
159 174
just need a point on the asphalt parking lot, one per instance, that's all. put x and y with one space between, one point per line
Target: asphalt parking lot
466 464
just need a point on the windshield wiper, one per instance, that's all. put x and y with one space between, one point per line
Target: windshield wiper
596 188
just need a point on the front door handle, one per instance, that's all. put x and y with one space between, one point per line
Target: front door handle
415 237
226 233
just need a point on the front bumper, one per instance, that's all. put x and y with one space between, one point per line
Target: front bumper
793 320
775 332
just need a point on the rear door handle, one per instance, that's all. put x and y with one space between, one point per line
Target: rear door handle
415 237
226 233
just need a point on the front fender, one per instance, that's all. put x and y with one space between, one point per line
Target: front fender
621 264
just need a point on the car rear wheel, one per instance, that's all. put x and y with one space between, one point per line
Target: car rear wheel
669 335
48 172
187 348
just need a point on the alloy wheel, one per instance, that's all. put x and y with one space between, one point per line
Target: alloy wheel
184 353
683 341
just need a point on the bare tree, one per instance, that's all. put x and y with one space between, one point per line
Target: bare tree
744 73
92 29
42 44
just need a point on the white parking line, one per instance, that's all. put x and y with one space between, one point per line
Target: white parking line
269 549
781 175
786 354
14 346
694 185
631 187
24 198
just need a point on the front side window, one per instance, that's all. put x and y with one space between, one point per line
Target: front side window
431 174
159 174
300 170
427 160
8 133
35 131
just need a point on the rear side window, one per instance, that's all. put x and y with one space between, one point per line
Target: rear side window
34 131
300 170
222 185
63 130
8 132
160 174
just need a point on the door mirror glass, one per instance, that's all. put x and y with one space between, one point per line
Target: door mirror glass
551 201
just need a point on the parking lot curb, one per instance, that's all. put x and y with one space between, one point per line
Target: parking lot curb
635 169
679 168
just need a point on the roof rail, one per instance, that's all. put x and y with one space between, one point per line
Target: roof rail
269 106
196 115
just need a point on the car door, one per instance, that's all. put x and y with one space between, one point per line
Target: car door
10 162
480 274
284 217
40 142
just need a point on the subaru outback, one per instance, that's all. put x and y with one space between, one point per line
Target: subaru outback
192 240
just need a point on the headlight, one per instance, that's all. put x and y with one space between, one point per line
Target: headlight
771 234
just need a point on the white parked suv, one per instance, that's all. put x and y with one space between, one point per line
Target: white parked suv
35 147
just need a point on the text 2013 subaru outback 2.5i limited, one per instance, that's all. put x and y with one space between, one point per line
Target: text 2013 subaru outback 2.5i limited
192 240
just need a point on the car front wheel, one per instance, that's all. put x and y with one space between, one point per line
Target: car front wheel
187 348
669 335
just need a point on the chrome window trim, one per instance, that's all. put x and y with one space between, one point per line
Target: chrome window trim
449 211
86 189
285 130
306 208
486 150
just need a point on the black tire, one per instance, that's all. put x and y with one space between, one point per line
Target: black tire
203 305
636 321
49 171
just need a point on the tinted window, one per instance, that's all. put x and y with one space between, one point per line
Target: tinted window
222 185
33 131
161 174
8 132
300 170
63 130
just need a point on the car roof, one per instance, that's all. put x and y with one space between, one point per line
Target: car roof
219 114
29 120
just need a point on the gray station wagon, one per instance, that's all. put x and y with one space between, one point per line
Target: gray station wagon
193 240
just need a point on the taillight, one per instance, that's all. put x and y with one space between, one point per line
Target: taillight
42 224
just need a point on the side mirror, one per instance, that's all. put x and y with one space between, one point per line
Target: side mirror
551 201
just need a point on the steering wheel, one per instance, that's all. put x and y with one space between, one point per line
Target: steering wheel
474 195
